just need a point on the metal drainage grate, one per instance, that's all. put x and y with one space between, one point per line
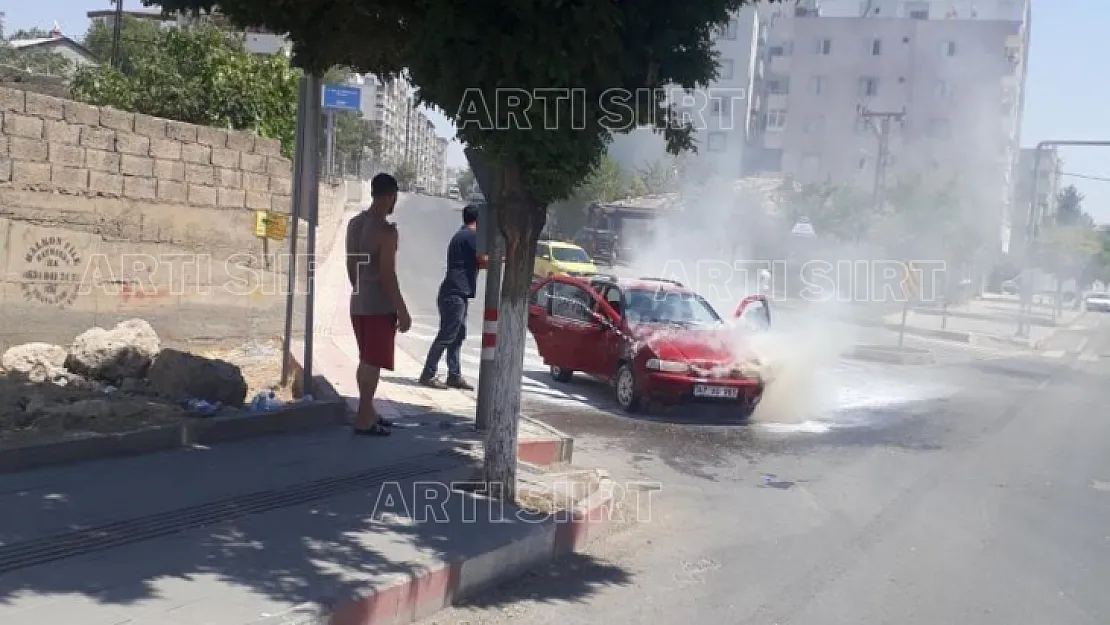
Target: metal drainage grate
28 553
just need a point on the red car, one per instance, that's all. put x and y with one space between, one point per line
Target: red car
652 339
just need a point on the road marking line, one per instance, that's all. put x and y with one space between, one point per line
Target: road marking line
1056 353
1088 357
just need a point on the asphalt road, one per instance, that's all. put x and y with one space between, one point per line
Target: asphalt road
973 491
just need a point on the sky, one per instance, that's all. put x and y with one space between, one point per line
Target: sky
1067 90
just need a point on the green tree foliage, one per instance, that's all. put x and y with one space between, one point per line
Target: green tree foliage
839 212
462 56
405 173
199 76
138 40
465 181
605 183
354 136
659 177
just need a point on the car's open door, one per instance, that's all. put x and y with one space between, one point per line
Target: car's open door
754 312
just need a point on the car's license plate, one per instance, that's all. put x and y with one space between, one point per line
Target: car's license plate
716 392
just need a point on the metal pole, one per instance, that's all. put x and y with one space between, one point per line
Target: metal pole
117 34
312 193
295 217
331 144
489 319
1030 237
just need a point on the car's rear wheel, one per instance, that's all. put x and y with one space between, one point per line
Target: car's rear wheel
561 375
628 396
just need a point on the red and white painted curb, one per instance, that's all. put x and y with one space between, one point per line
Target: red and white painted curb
418 595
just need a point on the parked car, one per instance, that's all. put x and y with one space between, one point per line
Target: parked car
556 257
1098 301
653 340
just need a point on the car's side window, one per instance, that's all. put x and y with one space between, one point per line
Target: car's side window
572 302
613 297
541 250
542 296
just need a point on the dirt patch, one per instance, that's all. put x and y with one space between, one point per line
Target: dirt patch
69 406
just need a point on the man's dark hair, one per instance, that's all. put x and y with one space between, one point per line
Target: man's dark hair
382 185
470 214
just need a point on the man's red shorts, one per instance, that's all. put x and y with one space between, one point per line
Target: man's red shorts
375 335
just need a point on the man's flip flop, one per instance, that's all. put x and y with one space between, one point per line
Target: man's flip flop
373 430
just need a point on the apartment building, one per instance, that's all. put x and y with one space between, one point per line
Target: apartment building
955 69
723 114
1048 179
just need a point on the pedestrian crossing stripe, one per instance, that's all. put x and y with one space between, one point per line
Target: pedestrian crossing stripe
1088 357
1056 353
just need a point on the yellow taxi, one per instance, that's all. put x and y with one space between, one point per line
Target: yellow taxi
558 258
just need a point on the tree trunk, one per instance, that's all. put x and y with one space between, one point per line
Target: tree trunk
521 221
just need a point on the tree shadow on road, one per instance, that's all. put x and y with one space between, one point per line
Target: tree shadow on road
246 531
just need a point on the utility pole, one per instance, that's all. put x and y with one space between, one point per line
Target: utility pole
117 34
489 242
881 123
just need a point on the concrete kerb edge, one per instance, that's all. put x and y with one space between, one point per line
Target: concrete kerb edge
438 585
545 452
202 431
948 335
891 355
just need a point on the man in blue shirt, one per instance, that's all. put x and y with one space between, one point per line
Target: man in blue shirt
458 287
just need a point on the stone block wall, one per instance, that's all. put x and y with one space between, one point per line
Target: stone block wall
106 214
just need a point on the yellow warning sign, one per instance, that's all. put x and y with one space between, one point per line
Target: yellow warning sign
909 281
270 225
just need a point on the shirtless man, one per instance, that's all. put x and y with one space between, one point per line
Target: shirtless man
378 310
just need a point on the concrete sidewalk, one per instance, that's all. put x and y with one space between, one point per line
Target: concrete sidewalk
335 360
984 320
268 531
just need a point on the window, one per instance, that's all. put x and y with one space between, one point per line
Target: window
779 85
725 71
940 128
942 90
815 124
644 306
542 296
570 255
916 10
824 47
613 298
868 87
817 85
776 119
542 250
948 48
728 31
873 47
786 48
717 142
571 302
863 163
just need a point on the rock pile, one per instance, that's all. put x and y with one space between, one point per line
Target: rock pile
127 359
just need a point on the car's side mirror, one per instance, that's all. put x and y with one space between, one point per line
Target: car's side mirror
546 256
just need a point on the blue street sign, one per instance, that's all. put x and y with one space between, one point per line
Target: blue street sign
342 98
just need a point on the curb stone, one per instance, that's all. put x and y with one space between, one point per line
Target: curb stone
892 355
411 597
194 431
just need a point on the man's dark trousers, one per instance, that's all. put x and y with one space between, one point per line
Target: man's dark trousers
450 338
